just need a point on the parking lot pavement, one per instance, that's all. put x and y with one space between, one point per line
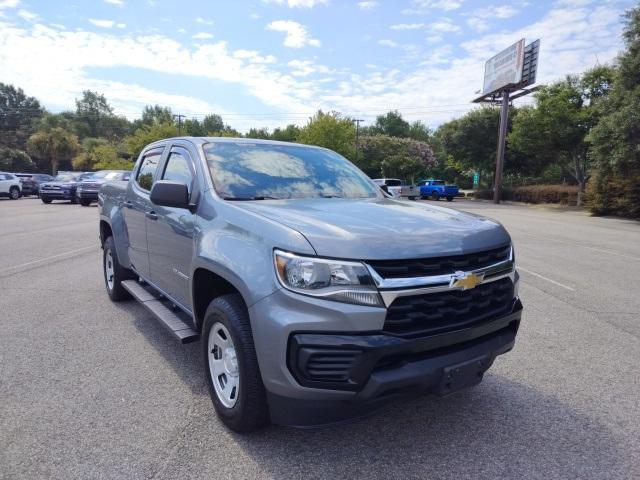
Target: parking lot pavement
92 389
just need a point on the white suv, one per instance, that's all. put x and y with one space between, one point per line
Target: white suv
10 186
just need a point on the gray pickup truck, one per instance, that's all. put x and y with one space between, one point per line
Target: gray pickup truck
316 298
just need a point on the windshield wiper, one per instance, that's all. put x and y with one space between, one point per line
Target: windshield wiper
332 196
250 198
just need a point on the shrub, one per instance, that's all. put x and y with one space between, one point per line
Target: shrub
562 194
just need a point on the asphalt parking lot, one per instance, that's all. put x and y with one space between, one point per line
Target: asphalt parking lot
92 389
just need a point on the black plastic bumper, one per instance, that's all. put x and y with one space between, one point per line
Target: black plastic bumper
387 367
56 195
93 196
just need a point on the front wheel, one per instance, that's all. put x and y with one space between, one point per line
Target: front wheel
435 196
14 193
231 366
449 198
46 200
85 203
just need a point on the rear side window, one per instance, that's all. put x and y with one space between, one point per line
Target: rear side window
3 176
394 183
178 168
148 168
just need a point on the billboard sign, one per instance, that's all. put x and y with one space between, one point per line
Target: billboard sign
504 69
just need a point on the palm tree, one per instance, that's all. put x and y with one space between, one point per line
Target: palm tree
53 144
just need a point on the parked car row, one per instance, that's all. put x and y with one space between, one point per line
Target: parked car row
429 188
79 187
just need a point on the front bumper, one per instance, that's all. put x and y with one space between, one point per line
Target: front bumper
88 195
368 368
57 194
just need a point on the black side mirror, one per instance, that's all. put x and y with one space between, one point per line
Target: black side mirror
167 193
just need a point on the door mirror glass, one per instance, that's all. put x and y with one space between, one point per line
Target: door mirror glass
168 193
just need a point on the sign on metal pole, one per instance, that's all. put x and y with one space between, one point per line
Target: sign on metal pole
504 69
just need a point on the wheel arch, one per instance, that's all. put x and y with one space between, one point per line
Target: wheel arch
207 285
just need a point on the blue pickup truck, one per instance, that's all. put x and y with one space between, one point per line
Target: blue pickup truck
437 189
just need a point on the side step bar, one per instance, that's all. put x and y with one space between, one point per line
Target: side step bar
169 318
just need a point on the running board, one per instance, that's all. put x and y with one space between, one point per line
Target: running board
171 319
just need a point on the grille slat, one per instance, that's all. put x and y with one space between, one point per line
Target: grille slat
327 365
439 265
445 311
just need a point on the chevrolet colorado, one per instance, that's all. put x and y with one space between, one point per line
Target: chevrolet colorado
315 297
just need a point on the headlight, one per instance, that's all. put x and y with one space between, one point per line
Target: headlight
337 280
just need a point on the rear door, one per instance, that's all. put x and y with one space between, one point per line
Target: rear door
170 230
137 206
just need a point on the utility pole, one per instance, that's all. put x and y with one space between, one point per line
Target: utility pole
180 117
502 137
357 120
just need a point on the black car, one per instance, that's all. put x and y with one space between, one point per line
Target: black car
88 189
63 187
31 182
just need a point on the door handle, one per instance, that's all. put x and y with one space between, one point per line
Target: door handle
151 215
128 204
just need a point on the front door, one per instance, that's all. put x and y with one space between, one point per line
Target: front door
170 233
136 208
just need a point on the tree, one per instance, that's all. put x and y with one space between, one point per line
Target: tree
15 160
330 130
147 134
391 124
17 112
261 133
288 134
53 145
419 131
212 124
614 142
92 112
386 156
152 114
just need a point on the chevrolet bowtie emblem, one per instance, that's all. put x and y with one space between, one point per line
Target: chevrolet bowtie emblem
466 281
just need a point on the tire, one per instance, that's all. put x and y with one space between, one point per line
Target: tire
244 410
412 198
449 198
114 273
14 193
85 203
435 196
46 200
74 200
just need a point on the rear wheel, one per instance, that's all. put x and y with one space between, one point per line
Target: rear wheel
85 203
46 200
114 273
14 193
231 366
435 196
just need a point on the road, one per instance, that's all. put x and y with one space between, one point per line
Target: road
92 389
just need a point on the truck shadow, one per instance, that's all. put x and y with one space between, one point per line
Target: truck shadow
499 429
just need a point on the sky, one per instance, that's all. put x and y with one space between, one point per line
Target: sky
267 63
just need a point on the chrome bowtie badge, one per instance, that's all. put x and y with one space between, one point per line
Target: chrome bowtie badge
466 281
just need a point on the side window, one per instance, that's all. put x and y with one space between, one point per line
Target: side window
3 176
179 168
148 167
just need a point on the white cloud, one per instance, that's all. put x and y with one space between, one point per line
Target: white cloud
102 23
121 25
303 68
424 7
407 26
202 36
115 2
368 4
27 15
298 3
204 21
385 42
9 3
296 34
478 24
443 26
181 30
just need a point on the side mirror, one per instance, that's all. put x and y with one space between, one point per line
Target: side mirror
385 189
167 193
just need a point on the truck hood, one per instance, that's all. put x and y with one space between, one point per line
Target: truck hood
378 229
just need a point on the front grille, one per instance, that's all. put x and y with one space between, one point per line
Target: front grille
439 312
425 267
327 365
90 186
51 187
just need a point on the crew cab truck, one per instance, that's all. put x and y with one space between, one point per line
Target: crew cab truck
437 189
315 297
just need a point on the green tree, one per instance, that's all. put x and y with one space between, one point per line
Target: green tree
419 131
391 124
152 114
94 117
53 145
261 133
615 140
288 134
385 156
330 130
147 134
212 124
15 160
17 113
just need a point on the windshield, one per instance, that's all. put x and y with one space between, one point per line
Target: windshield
64 177
106 174
254 171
